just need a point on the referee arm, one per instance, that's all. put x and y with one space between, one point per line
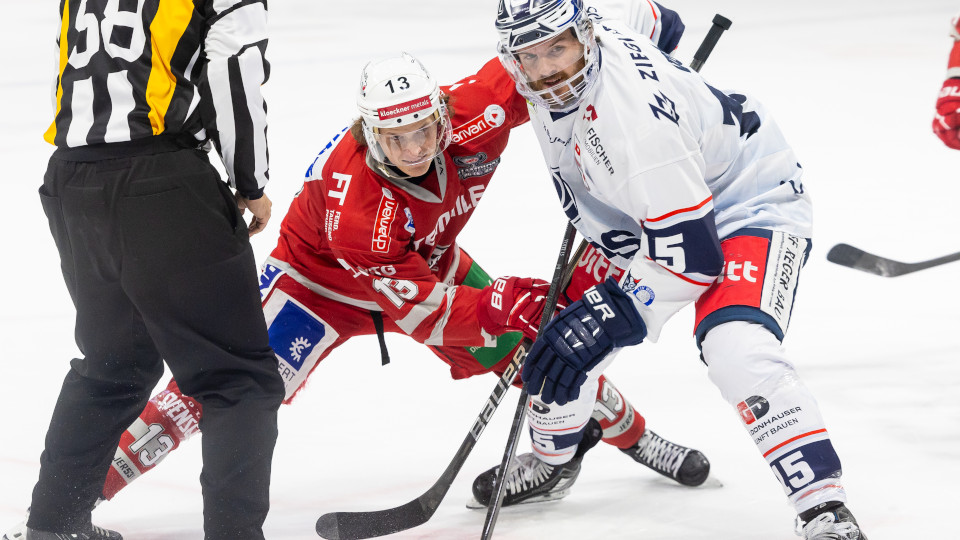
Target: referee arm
235 48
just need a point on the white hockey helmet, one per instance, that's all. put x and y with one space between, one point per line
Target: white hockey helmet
522 24
397 92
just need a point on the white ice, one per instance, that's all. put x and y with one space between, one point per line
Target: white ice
853 85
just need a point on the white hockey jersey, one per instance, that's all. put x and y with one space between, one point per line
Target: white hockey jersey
661 25
656 166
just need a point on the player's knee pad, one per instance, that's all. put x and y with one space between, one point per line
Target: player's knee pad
743 356
622 425
556 430
750 368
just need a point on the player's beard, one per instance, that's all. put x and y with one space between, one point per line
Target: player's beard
561 87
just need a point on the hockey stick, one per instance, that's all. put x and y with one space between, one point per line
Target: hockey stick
493 506
858 259
720 24
358 525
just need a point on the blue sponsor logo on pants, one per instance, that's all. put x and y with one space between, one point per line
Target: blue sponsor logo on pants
294 334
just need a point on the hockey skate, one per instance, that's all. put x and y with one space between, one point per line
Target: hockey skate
22 532
19 532
685 465
829 521
530 480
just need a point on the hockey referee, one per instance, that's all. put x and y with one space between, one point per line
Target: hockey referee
155 253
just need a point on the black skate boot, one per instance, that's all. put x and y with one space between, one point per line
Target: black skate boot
829 521
90 532
531 480
685 465
19 532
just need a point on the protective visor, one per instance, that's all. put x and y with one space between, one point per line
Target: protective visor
412 144
553 77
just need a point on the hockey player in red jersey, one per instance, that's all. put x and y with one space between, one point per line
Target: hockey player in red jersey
946 120
369 246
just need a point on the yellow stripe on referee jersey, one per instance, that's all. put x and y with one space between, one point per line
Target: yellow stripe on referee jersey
51 133
165 32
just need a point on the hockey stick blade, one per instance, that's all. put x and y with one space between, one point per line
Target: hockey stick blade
359 525
346 525
858 259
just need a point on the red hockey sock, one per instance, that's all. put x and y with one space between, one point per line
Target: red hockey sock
168 419
622 425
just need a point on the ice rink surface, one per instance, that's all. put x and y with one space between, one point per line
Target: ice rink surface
853 86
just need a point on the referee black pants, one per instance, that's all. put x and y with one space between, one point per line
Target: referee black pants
157 261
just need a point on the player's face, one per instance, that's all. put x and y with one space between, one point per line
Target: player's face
552 62
412 147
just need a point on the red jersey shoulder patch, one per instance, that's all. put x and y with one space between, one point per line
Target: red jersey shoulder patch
493 117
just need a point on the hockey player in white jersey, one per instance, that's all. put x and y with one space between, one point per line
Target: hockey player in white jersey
696 195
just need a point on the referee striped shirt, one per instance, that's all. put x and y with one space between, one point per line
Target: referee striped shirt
130 69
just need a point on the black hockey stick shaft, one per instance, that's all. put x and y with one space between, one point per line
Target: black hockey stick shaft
858 259
561 278
720 24
359 525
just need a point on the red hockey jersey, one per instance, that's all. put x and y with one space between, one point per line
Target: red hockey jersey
389 244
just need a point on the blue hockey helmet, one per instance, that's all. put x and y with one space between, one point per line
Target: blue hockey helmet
554 77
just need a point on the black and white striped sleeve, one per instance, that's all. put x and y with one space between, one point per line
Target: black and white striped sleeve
235 48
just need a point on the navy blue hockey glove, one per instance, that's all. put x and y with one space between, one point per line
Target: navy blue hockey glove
577 339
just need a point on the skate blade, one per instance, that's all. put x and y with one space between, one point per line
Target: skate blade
710 483
474 504
17 533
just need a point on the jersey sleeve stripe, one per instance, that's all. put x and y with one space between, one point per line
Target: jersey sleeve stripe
681 211
236 69
653 10
707 283
63 45
255 141
436 335
419 312
166 30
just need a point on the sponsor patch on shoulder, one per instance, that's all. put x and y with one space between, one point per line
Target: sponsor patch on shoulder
493 117
475 165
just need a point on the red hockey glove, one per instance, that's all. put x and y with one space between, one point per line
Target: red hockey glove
512 304
946 123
